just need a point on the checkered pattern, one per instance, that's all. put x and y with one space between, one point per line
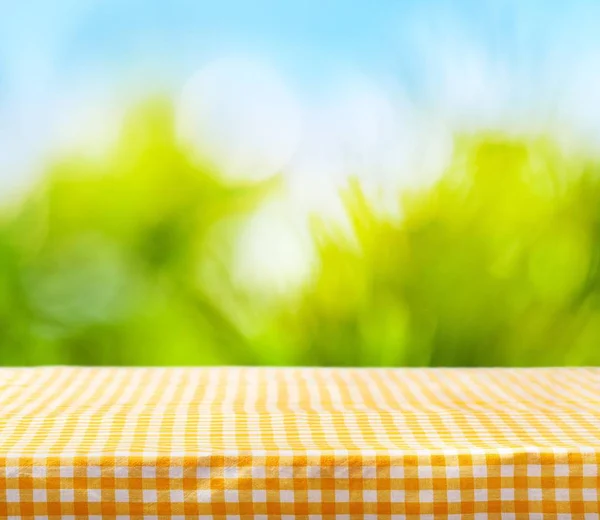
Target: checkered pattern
233 443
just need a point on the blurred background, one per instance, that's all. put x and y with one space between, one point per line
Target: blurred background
300 183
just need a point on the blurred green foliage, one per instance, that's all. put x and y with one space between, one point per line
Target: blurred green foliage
495 265
123 261
127 260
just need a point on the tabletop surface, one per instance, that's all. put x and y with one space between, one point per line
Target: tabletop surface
163 411
221 441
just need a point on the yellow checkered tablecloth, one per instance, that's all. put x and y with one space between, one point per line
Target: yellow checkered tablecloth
231 443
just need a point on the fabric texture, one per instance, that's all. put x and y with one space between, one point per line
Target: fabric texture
231 443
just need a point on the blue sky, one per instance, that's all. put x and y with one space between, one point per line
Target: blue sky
458 60
67 40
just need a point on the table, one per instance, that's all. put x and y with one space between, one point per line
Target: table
231 443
